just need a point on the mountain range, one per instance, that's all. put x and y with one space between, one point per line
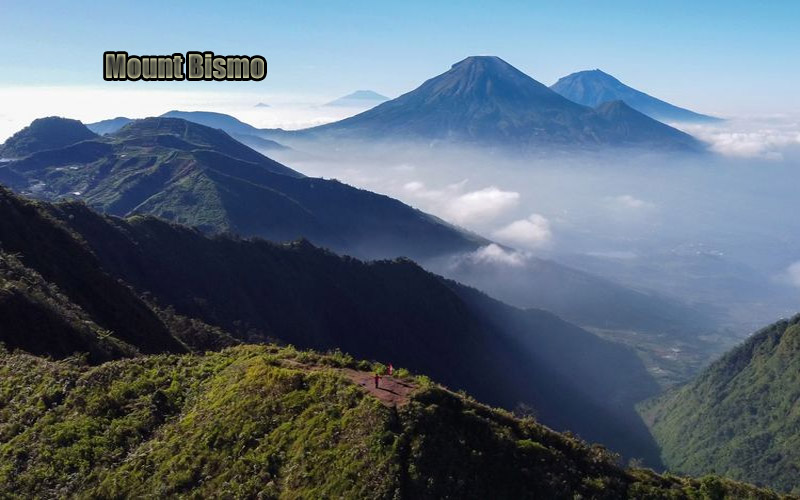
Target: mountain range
133 271
485 100
73 281
131 284
594 88
740 417
191 174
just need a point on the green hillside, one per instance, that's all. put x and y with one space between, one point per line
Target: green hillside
741 416
201 177
264 422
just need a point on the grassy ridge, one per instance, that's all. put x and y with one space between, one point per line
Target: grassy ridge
245 423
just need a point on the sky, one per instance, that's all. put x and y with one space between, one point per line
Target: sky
725 57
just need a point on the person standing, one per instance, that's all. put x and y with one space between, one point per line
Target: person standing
391 369
377 379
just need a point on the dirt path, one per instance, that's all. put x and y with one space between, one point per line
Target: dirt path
391 391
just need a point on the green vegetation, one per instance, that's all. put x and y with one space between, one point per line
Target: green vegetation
260 421
44 134
741 416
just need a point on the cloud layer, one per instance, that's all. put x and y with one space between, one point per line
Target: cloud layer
531 233
460 206
793 274
762 137
494 254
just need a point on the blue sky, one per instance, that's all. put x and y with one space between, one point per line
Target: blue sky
716 56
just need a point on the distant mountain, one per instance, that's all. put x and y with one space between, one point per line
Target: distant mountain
43 134
109 126
359 99
486 100
740 416
221 121
593 88
270 422
239 130
298 294
262 105
196 175
243 132
633 127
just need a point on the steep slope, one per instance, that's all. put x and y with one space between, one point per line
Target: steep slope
632 127
199 176
741 416
45 133
262 422
37 318
484 99
63 261
593 88
393 311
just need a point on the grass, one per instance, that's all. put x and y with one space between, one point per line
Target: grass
248 423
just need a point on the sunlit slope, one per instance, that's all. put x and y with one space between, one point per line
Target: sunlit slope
253 422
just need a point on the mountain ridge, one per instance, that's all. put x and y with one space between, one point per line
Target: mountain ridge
263 421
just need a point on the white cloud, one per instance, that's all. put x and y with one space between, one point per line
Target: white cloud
793 274
495 254
533 232
460 207
414 187
629 201
760 137
481 205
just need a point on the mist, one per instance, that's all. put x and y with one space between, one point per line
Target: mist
716 230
